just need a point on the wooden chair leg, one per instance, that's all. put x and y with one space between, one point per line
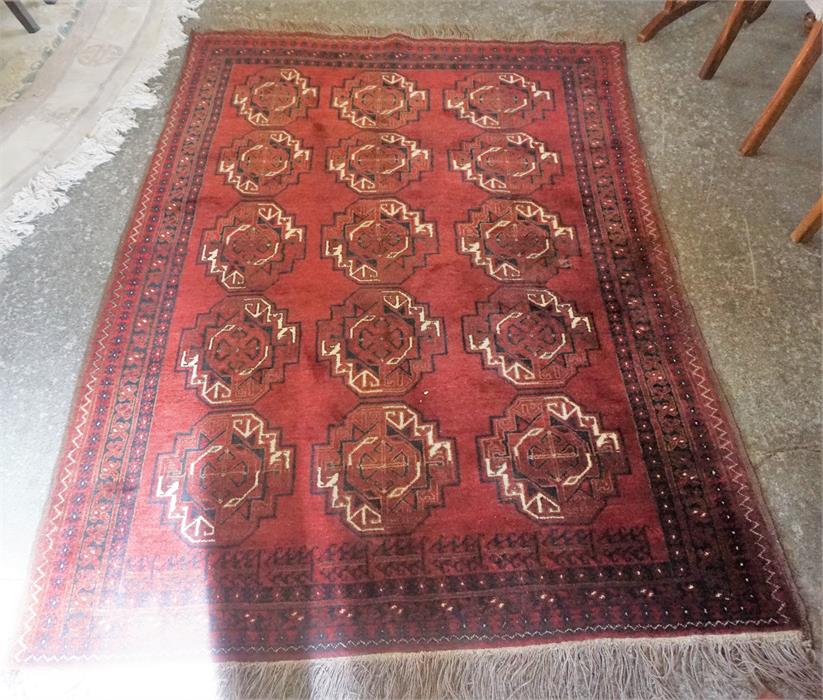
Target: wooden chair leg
806 58
743 11
724 40
810 223
22 14
672 10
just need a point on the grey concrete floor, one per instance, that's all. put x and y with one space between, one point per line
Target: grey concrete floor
756 296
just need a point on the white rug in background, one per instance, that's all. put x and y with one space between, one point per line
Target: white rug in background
75 113
23 54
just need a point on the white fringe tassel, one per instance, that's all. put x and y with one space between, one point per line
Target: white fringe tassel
707 666
48 190
712 666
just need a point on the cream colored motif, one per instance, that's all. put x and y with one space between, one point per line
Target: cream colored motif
377 163
515 235
551 344
274 102
241 250
264 159
387 472
382 100
372 240
223 477
249 349
380 352
506 163
552 460
510 95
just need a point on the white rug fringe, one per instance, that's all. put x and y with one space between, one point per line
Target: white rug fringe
48 189
712 666
708 666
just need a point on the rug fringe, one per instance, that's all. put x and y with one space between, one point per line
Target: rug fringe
48 189
545 31
722 665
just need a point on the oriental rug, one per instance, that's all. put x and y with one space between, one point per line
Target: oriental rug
394 359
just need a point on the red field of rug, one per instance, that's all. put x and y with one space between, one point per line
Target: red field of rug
393 358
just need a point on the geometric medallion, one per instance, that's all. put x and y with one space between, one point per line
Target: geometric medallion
378 162
223 477
262 163
530 337
379 100
379 240
380 341
274 97
516 241
551 460
238 350
506 163
498 100
383 469
251 246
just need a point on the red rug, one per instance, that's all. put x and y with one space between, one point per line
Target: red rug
393 358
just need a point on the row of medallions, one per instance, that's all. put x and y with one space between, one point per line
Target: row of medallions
373 99
263 163
384 468
383 241
226 474
532 338
381 342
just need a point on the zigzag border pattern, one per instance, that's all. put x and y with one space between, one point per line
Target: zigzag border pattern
100 332
696 363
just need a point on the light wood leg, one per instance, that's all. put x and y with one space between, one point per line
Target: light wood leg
672 10
806 58
810 223
743 11
724 41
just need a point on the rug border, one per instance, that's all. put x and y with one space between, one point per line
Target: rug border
702 349
87 378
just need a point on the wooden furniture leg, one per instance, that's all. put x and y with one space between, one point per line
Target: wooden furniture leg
672 10
810 223
743 11
806 58
19 11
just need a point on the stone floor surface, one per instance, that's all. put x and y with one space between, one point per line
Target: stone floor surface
756 296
